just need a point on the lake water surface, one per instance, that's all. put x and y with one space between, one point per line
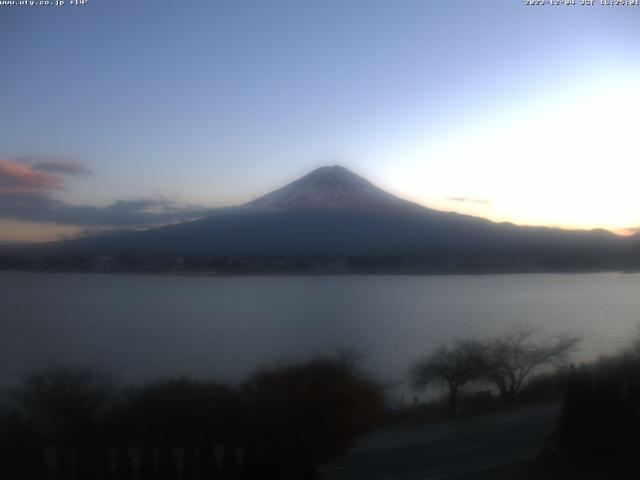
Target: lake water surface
223 327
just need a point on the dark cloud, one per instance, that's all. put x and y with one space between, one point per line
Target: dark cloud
64 167
30 175
136 213
480 201
26 193
27 186
93 232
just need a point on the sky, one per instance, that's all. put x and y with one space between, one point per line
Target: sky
120 114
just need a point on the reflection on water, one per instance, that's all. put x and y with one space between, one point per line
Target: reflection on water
225 327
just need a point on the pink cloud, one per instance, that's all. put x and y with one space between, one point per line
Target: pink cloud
20 178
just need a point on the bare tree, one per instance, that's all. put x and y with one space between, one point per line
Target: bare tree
510 359
455 366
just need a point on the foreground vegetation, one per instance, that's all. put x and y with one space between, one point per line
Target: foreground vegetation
279 424
600 419
597 433
504 363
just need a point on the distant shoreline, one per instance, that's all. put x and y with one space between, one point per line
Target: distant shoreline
214 274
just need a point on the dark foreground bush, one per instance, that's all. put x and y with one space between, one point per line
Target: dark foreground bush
545 387
600 419
178 411
75 424
303 415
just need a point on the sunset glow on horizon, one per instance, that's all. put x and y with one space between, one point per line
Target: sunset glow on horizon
567 164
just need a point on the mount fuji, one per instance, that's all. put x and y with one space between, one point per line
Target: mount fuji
333 216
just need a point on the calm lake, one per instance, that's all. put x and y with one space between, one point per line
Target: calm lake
224 327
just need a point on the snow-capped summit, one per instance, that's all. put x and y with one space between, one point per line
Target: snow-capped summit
328 187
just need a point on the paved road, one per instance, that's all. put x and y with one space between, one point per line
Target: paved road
463 448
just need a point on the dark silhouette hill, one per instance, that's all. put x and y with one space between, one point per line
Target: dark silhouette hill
334 213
